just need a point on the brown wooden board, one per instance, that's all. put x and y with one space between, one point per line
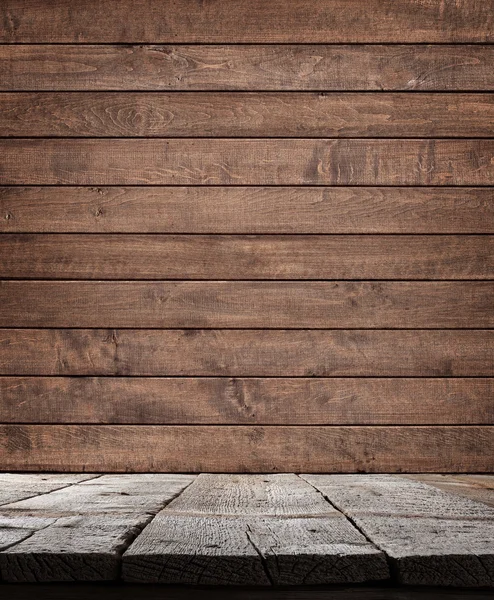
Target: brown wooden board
247 219
246 209
247 304
257 401
193 352
247 162
247 68
245 114
134 257
246 449
247 21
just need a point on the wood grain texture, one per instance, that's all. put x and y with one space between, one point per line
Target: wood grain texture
254 21
247 353
131 495
204 550
246 210
247 68
246 162
461 485
83 530
273 496
249 114
211 532
16 486
196 551
431 537
199 448
256 401
134 257
247 304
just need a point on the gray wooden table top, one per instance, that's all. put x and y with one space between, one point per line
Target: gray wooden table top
250 530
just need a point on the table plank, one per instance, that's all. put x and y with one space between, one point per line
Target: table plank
79 533
432 537
226 529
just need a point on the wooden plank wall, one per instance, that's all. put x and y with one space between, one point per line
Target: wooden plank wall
240 235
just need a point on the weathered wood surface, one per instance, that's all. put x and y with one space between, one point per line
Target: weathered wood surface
248 449
143 494
240 353
247 162
272 401
247 68
248 529
245 114
80 533
431 537
299 257
246 210
279 495
254 21
14 486
247 304
278 521
197 551
476 487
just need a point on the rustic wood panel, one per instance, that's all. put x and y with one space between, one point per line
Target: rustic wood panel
198 448
268 114
247 353
254 21
296 401
246 209
133 257
80 532
247 162
183 192
253 68
224 528
247 304
431 537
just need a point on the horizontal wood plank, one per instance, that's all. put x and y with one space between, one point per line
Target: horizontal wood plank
253 21
134 257
247 68
128 448
247 304
247 162
272 401
247 353
246 210
127 114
